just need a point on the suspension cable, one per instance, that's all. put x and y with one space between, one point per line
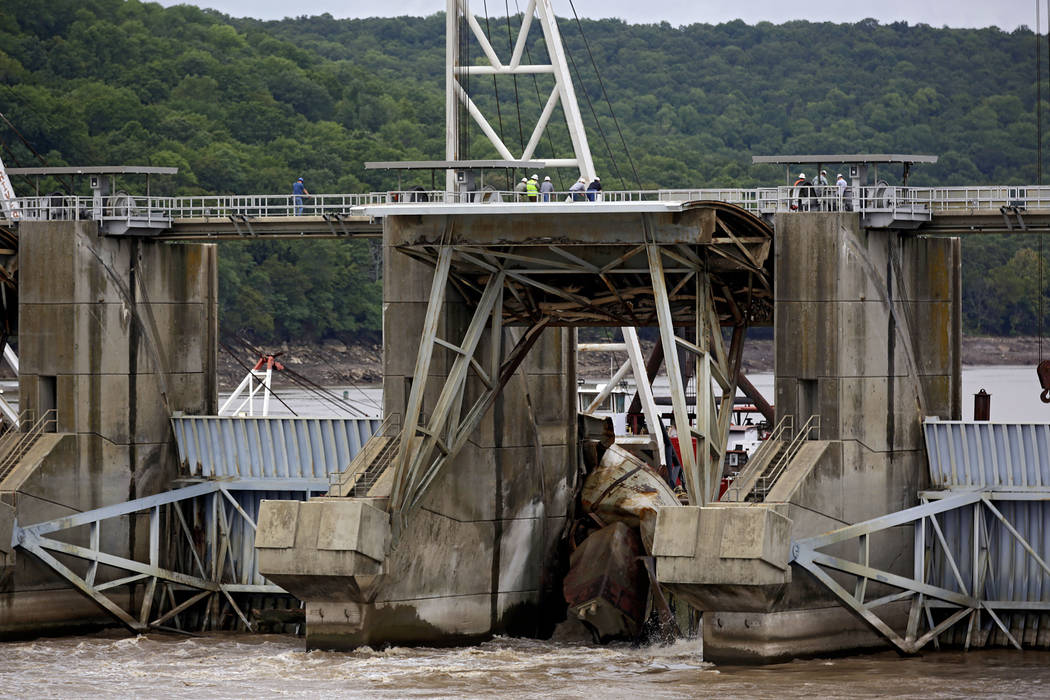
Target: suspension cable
517 100
311 386
606 95
25 141
495 87
612 159
249 369
539 99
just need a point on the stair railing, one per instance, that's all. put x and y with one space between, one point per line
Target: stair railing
765 483
25 439
356 470
784 427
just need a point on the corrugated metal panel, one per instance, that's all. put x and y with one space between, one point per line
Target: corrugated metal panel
985 454
1009 574
285 447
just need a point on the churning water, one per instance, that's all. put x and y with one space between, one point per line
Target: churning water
113 664
232 666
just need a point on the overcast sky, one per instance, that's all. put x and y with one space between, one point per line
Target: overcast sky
1005 14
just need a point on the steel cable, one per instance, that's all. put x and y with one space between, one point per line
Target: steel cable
606 95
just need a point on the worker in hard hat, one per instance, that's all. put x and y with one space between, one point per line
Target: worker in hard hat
519 189
546 187
532 188
594 190
800 193
578 190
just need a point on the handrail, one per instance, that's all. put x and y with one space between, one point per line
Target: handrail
26 439
870 199
390 428
765 483
785 425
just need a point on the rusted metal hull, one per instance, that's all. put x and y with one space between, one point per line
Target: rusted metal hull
607 587
624 489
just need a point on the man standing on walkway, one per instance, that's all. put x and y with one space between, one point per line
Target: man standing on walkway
546 187
298 191
532 190
519 189
594 190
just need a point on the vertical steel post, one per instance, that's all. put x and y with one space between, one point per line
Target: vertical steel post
694 483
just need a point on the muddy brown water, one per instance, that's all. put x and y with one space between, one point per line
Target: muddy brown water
115 665
238 666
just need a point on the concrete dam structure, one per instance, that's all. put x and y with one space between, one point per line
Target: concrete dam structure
867 345
114 334
485 500
458 518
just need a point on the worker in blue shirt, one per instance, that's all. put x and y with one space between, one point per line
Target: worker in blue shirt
298 190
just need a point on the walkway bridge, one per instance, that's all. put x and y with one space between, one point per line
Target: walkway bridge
950 210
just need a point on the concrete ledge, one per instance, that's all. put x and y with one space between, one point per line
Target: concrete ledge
331 549
724 557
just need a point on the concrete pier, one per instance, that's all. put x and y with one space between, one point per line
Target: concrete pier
867 339
478 557
114 334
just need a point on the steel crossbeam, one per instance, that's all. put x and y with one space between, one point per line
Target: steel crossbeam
562 93
220 578
968 595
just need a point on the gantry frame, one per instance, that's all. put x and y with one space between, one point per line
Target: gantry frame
563 93
703 268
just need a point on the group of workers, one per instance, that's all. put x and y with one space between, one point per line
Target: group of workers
806 190
532 190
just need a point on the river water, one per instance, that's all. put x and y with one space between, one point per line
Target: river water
113 664
232 666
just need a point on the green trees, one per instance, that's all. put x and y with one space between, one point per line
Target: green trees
245 106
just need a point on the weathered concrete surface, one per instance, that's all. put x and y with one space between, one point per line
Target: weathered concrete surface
345 538
113 334
475 558
866 335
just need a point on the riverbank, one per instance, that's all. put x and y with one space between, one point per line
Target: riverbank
334 363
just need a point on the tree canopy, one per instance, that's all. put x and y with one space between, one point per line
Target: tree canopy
245 106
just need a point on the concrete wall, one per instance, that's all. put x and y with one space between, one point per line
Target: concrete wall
867 337
473 561
114 333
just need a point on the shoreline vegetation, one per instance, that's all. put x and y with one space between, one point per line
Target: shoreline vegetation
333 363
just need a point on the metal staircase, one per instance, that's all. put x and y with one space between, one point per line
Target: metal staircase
14 445
362 474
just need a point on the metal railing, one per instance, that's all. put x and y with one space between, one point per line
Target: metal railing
15 445
366 468
162 211
736 493
764 484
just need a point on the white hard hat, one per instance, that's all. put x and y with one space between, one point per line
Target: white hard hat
547 178
535 176
802 175
839 175
524 179
597 179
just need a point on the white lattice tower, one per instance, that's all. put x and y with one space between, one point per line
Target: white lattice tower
563 92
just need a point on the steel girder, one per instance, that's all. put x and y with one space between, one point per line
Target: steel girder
951 571
173 562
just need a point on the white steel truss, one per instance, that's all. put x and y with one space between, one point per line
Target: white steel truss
953 571
175 576
563 92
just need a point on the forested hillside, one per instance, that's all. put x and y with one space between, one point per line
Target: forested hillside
246 106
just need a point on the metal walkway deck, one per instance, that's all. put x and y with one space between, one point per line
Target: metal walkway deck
954 210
